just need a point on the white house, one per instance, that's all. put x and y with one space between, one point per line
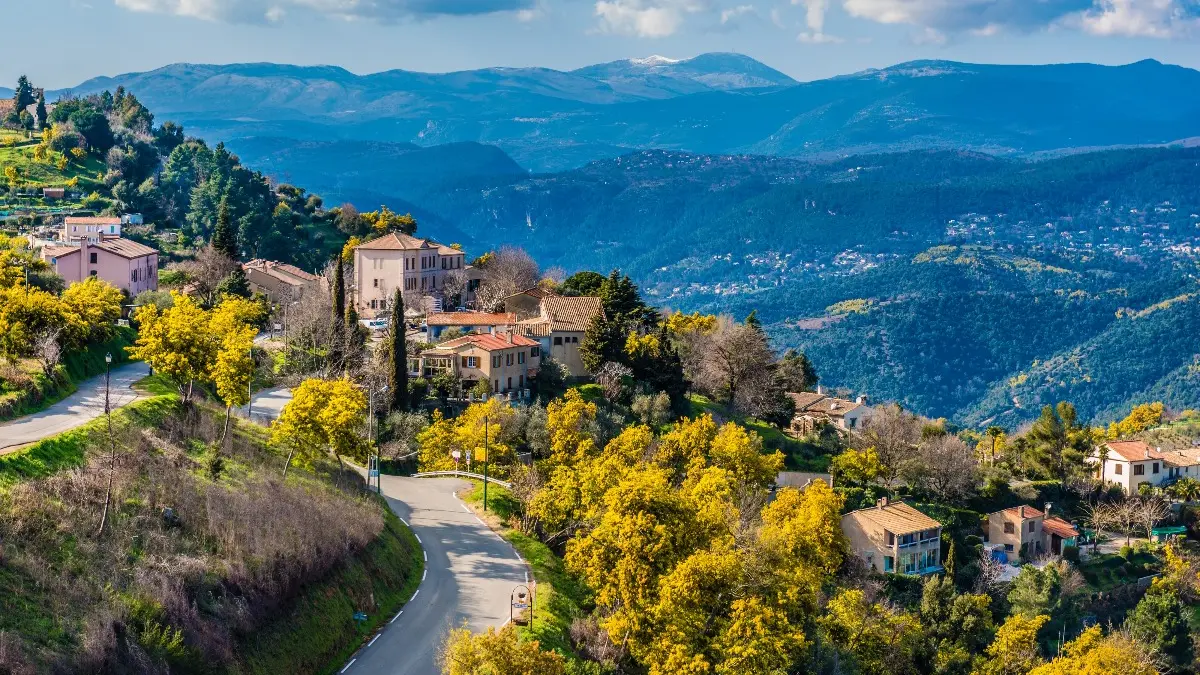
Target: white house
1131 463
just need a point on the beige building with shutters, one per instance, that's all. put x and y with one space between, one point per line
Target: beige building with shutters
893 537
399 261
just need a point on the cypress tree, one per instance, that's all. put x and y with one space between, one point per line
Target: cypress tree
40 111
398 353
224 237
23 94
339 313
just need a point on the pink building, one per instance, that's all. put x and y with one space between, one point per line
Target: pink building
126 264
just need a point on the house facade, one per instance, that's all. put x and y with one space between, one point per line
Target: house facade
399 261
814 409
93 229
278 281
559 324
126 264
893 537
1132 463
1028 531
505 360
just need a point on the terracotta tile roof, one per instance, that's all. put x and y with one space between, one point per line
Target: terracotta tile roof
284 272
447 250
1060 527
470 319
92 220
820 404
897 518
1131 451
570 313
1181 458
538 327
535 292
396 241
1030 512
59 251
126 248
488 342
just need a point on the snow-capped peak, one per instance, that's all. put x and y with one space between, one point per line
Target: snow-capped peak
654 60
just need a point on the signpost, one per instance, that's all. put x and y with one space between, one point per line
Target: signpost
520 599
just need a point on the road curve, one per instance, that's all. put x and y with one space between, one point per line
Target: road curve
86 404
470 575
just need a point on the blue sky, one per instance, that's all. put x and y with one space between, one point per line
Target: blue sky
808 39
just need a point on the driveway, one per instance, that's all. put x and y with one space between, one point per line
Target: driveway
86 404
470 575
267 405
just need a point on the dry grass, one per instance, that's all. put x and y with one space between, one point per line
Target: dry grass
154 593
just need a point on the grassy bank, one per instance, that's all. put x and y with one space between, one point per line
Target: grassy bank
317 633
560 598
799 454
25 389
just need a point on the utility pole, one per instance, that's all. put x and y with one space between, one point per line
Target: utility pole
486 460
250 387
112 458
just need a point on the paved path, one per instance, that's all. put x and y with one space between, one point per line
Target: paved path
268 404
470 574
86 404
470 571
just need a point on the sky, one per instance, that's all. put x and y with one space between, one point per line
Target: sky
807 39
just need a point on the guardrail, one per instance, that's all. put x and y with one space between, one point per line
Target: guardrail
463 474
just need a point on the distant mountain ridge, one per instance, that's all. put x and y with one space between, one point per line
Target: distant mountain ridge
549 120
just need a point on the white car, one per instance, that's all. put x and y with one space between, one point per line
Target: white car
374 324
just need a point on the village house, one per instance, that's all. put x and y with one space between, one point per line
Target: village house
124 263
559 323
895 537
506 361
1132 463
468 322
1029 532
278 281
93 229
399 261
815 409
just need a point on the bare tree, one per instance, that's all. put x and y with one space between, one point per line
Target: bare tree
945 466
206 271
48 350
611 377
991 573
736 356
1101 516
454 284
507 271
1148 512
893 433
1126 517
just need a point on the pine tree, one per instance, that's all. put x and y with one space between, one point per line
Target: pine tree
235 284
224 237
398 354
23 96
753 322
338 291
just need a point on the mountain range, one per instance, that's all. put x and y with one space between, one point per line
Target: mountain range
714 103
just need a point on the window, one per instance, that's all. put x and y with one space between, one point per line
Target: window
1139 469
575 339
1032 525
521 357
852 421
521 381
891 538
557 340
509 383
376 284
889 563
1009 528
92 258
496 362
536 351
496 387
1154 468
508 361
1008 547
374 304
1117 470
93 272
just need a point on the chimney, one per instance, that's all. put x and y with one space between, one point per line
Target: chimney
1021 512
882 502
832 405
1147 452
508 336
861 400
821 389
1048 505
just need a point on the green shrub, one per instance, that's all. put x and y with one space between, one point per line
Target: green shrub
1126 552
1071 553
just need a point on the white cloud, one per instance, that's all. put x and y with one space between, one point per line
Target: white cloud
814 18
777 18
260 11
1143 18
967 15
732 13
645 18
812 38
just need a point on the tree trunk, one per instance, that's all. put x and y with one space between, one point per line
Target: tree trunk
288 463
225 431
112 468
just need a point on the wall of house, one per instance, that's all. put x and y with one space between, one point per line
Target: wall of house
1128 479
379 272
567 353
1021 536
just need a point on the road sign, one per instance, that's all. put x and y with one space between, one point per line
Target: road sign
456 455
373 473
360 616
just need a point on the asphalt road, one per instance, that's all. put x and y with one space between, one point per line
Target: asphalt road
470 572
86 404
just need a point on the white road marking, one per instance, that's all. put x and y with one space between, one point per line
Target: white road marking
373 640
425 555
418 538
506 622
414 597
526 576
348 665
423 575
480 521
464 507
395 617
405 522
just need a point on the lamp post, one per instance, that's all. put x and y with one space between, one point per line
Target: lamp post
250 387
486 461
371 438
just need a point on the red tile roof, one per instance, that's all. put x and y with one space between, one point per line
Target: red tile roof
572 314
396 241
1030 512
470 319
92 220
1060 527
126 248
820 404
1132 451
489 342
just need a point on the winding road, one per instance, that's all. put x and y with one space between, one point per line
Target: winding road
470 572
86 404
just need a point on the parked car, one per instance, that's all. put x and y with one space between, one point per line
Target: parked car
374 324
